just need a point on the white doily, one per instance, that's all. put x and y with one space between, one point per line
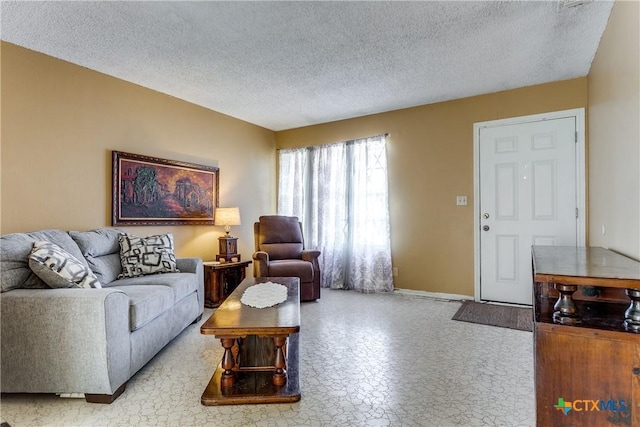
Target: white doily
264 295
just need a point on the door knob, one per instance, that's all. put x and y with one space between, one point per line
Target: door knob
485 228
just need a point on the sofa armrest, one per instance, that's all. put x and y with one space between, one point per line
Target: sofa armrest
261 264
64 340
310 255
194 265
189 265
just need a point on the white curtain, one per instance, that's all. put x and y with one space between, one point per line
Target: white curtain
340 193
292 172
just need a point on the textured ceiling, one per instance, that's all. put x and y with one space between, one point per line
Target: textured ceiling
283 65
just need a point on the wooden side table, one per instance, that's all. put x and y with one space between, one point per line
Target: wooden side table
220 280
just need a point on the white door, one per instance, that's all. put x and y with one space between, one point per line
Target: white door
528 196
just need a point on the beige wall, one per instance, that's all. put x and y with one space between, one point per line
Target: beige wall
60 123
430 157
614 134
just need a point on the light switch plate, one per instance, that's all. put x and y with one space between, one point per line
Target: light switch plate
461 200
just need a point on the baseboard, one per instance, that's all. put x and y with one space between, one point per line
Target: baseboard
434 295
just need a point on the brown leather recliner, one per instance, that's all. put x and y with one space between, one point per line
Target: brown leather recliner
280 253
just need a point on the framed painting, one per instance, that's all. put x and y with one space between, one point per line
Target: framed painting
152 191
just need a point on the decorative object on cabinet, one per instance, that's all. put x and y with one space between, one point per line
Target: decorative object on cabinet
153 191
228 245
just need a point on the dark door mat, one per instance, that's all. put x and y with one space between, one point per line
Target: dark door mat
495 315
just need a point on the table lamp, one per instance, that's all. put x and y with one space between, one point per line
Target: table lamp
228 245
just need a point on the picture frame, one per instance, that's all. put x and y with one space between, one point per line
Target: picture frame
153 191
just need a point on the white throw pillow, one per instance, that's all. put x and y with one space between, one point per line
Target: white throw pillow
59 269
140 256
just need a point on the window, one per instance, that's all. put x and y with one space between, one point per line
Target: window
340 193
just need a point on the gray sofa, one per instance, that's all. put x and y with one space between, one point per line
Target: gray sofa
91 341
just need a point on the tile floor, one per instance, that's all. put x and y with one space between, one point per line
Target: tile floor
366 360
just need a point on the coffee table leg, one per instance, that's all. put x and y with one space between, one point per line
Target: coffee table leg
228 377
280 375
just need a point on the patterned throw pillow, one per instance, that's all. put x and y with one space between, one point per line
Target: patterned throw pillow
59 269
140 256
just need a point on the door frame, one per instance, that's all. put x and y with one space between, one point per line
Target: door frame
579 115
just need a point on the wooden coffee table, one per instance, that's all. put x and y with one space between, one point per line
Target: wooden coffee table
260 360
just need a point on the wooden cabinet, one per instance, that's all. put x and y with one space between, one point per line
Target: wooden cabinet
220 280
587 353
593 371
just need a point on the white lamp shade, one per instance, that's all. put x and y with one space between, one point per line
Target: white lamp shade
227 216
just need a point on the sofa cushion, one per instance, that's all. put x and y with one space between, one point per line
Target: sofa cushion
101 249
146 255
59 269
292 268
181 284
14 257
146 302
